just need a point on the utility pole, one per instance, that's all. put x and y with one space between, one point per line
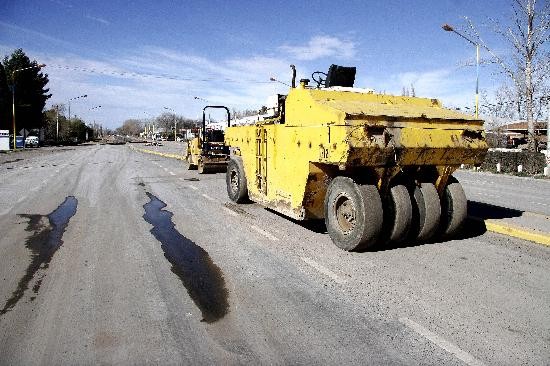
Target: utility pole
547 155
57 123
175 123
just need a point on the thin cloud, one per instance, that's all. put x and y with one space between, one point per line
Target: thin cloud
444 84
144 81
96 19
321 46
44 36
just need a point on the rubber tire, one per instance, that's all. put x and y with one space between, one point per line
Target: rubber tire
235 170
426 211
454 208
398 214
192 167
367 205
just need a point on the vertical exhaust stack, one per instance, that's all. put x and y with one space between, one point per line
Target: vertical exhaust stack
293 84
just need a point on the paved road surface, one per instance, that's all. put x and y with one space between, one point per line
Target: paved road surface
114 256
519 193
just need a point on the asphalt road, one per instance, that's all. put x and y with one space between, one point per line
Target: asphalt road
519 193
112 256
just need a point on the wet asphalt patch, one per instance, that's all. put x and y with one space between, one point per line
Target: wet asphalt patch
43 243
11 161
202 278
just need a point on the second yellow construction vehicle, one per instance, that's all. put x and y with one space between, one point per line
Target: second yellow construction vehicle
375 167
207 152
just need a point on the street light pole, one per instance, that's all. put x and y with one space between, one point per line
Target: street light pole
547 155
13 98
175 123
94 128
69 101
448 28
56 123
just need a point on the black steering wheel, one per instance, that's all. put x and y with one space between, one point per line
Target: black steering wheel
317 76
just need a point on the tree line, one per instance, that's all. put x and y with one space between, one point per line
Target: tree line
23 91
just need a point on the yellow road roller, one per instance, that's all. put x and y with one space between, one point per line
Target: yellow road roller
377 168
207 152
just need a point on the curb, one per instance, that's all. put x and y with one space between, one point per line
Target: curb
519 232
528 234
166 155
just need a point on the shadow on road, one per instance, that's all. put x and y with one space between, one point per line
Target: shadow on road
487 211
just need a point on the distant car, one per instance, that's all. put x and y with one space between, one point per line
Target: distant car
32 141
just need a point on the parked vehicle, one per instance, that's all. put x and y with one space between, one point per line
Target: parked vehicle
32 141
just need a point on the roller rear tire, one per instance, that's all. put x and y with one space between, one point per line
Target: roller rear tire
426 211
397 214
353 214
454 208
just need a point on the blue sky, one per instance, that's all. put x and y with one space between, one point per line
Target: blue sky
136 57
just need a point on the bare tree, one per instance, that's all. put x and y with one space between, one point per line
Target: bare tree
131 127
527 65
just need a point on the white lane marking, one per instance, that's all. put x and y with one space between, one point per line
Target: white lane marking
264 233
324 270
193 187
443 343
21 199
172 173
207 197
165 169
231 212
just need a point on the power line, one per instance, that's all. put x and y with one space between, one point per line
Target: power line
127 74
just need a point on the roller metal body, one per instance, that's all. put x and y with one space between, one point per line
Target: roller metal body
375 139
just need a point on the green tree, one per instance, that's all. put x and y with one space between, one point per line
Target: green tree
5 103
54 118
30 89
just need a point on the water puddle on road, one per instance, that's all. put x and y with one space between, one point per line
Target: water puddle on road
43 243
202 278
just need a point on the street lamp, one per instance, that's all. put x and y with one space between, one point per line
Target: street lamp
13 97
448 28
69 101
175 123
202 99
